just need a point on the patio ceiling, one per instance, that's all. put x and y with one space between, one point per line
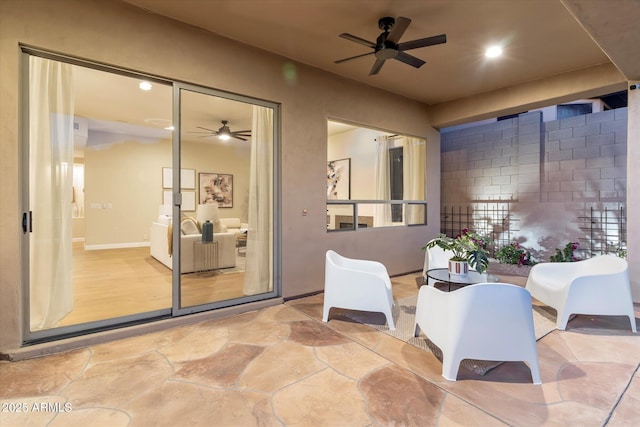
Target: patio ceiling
541 39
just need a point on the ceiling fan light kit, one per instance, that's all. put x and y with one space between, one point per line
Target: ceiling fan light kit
387 44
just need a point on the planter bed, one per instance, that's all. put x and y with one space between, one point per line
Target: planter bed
501 269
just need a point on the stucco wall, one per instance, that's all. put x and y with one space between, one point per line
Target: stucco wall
121 35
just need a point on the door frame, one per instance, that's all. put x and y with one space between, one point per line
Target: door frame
57 333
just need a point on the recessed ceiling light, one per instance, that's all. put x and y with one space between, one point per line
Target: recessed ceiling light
493 52
144 85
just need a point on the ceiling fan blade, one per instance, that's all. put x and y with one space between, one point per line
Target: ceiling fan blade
376 67
358 40
410 60
237 137
353 57
427 41
242 131
210 130
398 29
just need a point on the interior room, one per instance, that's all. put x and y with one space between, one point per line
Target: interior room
121 305
121 220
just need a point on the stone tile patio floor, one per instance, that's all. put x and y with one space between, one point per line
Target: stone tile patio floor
283 366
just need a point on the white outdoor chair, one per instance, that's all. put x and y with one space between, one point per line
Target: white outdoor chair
357 285
435 257
598 285
486 321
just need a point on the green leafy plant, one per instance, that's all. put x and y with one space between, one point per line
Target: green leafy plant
513 253
467 246
619 249
566 254
621 252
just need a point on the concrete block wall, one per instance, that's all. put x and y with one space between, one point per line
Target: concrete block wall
484 162
551 173
585 158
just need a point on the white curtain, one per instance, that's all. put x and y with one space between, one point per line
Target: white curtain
258 274
51 105
413 173
382 212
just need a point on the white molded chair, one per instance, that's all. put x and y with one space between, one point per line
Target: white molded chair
598 285
486 321
357 285
435 257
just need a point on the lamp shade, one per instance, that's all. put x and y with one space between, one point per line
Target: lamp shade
208 212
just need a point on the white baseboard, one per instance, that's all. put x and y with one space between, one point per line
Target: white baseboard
77 239
117 246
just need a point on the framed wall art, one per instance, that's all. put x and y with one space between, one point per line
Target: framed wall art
216 188
187 178
339 179
188 199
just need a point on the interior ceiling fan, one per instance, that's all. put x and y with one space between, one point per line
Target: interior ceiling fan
224 133
387 46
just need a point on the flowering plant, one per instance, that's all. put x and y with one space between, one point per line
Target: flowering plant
513 253
466 246
565 255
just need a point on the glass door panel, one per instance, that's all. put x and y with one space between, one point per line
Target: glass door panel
216 248
97 146
112 232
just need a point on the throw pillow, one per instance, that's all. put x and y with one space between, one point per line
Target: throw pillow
189 226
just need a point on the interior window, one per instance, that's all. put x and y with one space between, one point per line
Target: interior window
376 177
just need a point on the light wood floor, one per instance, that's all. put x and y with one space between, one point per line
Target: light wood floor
119 282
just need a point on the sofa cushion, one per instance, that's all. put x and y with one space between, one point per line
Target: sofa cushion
231 222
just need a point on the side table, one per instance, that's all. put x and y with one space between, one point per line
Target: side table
241 242
205 256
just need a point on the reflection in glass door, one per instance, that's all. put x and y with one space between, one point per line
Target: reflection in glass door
225 240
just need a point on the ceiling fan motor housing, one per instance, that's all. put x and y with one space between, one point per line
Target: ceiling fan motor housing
386 23
385 49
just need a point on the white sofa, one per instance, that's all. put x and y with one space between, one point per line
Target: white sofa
233 225
159 239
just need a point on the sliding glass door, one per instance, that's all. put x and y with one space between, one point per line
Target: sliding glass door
112 233
226 231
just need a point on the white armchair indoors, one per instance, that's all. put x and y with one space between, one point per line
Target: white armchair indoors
357 285
598 285
486 321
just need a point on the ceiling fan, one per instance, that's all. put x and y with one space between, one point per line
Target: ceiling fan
224 133
387 46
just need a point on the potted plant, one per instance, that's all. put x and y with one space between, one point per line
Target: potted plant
468 248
